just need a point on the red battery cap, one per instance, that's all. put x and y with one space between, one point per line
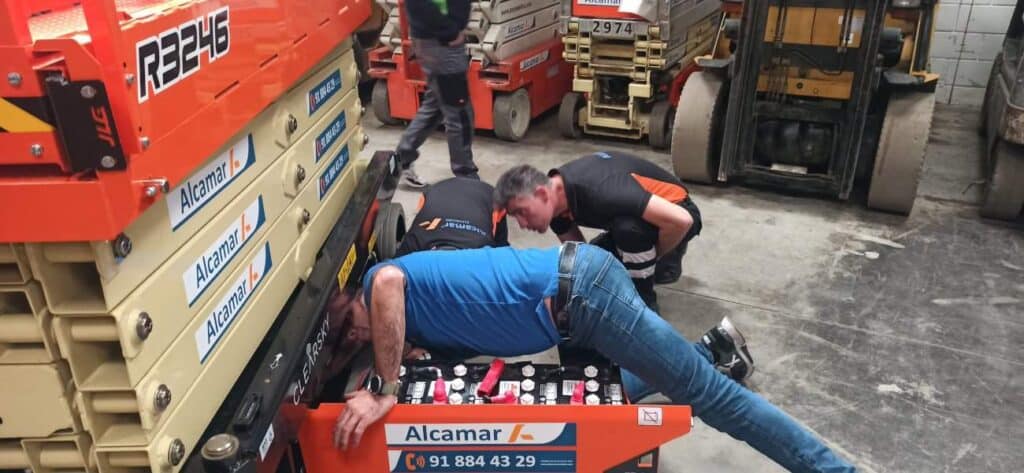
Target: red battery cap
491 379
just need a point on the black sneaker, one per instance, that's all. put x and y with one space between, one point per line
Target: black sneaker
667 274
729 349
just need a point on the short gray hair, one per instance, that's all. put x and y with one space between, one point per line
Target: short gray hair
518 181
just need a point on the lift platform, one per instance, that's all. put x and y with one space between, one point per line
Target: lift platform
106 105
514 75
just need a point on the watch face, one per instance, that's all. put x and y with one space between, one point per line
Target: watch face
374 384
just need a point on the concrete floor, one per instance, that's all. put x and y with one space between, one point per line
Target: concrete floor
895 339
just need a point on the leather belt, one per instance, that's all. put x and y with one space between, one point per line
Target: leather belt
566 262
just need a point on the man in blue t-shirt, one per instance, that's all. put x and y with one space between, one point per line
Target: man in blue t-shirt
507 302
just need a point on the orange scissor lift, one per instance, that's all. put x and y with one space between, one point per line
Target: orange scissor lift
506 94
120 131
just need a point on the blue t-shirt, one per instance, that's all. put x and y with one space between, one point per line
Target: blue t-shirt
486 301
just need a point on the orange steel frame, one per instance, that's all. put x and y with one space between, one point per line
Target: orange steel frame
606 436
546 82
272 44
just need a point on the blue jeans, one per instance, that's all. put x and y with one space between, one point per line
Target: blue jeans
607 315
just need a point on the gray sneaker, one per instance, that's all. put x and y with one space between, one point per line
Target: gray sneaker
410 179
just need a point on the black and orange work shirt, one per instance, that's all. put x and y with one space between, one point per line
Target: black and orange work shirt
604 186
456 213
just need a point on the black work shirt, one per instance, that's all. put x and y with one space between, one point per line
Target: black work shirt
437 19
456 213
604 186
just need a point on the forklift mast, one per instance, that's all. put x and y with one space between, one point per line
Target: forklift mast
834 110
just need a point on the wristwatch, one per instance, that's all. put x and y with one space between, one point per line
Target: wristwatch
376 385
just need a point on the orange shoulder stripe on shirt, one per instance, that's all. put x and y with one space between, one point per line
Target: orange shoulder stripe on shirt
669 191
496 217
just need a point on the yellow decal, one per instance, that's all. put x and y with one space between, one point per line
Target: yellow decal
373 239
346 267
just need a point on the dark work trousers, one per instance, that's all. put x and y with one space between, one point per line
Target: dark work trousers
634 241
445 100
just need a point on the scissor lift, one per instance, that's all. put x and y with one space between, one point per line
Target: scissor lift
516 72
170 171
629 67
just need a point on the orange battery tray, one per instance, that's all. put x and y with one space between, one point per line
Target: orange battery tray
493 438
107 103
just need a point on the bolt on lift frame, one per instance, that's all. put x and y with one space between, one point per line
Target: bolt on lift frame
105 104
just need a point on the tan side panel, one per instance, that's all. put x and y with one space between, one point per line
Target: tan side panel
12 455
60 453
201 401
87 277
38 402
107 351
14 268
235 319
26 326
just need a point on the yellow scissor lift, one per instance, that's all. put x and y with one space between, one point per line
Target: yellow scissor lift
630 62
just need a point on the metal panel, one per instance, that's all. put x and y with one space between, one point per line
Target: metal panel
93 277
14 267
26 326
40 404
201 401
115 350
60 453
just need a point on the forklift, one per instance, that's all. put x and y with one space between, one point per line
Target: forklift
811 97
1001 125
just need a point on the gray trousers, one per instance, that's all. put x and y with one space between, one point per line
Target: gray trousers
445 100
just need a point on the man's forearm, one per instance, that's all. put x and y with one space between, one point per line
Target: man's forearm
387 322
667 240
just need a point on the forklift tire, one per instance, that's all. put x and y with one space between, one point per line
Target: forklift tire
696 130
900 155
380 104
659 125
993 78
569 115
512 115
1004 194
390 229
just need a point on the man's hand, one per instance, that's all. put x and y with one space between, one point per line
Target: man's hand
459 40
416 354
362 409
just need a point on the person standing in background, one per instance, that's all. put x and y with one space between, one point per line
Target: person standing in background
438 41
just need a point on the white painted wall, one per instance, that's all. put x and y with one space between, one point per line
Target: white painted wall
968 34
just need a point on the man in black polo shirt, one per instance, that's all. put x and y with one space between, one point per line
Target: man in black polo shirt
455 214
647 214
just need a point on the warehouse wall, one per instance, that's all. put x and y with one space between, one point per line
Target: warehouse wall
968 34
